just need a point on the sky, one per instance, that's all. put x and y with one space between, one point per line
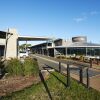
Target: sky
52 18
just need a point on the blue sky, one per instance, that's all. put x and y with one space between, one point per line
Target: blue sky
52 18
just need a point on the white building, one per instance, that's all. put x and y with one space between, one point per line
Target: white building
77 46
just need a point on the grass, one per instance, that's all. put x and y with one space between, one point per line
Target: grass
56 91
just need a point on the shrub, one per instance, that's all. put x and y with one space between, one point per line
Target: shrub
14 67
81 58
2 69
30 67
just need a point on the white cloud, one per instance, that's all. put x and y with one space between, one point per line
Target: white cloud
94 12
80 19
85 16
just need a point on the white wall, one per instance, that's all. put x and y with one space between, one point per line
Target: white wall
2 41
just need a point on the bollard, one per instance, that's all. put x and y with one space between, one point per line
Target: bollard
88 80
68 75
59 67
81 75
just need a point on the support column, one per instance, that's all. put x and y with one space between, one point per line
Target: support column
25 45
66 51
86 51
5 49
17 48
54 52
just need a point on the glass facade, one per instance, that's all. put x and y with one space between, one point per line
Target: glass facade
84 51
93 51
61 50
77 51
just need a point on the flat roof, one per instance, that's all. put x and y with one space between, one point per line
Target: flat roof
30 38
74 45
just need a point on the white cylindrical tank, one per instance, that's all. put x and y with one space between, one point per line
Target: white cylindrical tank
79 39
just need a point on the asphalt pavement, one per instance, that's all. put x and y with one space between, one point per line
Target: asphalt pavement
45 61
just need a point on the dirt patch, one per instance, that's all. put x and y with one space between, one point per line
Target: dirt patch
13 84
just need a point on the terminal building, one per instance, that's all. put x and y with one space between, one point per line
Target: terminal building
9 43
76 46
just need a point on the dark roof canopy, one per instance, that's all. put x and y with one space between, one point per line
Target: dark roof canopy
41 45
30 38
58 40
2 34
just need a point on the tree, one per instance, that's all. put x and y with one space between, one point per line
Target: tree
24 46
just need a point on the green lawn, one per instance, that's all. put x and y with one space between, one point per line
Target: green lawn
56 91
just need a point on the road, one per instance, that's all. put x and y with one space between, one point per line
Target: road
46 62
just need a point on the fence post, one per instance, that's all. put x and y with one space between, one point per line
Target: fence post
90 62
59 67
68 75
81 74
88 80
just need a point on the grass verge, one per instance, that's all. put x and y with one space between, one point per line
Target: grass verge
54 89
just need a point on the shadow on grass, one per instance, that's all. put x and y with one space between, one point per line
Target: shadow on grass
45 85
49 67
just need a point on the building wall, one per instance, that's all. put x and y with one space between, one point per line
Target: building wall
2 41
58 42
62 42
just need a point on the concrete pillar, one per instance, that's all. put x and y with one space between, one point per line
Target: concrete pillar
12 42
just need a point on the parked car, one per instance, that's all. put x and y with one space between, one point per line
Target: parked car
23 54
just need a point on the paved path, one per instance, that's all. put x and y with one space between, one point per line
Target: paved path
94 74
